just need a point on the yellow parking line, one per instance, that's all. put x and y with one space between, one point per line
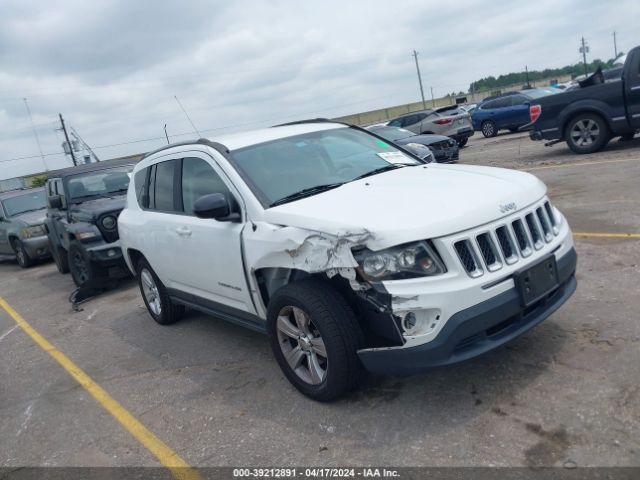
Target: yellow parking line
167 457
606 235
582 164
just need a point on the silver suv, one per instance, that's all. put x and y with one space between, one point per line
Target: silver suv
22 232
450 121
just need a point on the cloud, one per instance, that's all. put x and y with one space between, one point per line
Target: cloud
113 67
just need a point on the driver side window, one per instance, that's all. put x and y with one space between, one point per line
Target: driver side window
198 179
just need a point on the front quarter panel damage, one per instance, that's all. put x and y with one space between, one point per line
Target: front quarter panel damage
277 255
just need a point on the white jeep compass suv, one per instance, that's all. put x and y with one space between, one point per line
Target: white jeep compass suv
347 251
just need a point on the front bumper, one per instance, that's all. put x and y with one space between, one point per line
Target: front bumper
450 155
37 247
477 329
109 256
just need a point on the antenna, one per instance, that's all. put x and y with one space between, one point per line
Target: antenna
166 134
187 115
35 133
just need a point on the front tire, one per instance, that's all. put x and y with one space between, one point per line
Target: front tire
23 258
587 133
155 296
315 336
82 269
463 142
489 129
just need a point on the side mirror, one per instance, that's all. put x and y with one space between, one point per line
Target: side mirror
216 206
55 201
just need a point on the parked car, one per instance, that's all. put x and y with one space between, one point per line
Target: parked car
450 121
444 149
346 251
589 116
83 207
508 111
22 233
468 107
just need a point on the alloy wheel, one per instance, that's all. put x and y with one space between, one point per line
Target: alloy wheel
21 256
80 267
585 132
302 345
150 291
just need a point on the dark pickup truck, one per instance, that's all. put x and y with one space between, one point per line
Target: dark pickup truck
588 117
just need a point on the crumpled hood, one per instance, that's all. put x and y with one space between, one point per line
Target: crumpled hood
412 203
36 217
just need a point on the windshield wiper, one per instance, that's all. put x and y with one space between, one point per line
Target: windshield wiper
386 168
306 192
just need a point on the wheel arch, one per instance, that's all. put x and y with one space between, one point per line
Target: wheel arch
132 257
570 115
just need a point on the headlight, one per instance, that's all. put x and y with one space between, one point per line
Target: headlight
109 222
411 260
34 231
421 151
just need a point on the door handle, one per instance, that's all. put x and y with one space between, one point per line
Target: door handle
183 231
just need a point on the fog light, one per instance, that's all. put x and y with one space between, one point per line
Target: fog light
410 321
419 321
111 253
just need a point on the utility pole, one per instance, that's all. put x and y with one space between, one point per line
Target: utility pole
615 46
35 134
583 50
433 100
77 136
526 74
66 137
415 56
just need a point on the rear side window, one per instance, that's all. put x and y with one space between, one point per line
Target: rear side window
164 195
198 179
502 102
488 105
141 181
395 123
518 100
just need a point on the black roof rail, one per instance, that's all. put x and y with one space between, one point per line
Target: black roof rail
201 141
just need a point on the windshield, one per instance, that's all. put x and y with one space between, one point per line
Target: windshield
24 203
392 133
279 168
99 183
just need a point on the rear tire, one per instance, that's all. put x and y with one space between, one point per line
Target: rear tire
315 336
489 129
587 133
23 258
60 258
155 296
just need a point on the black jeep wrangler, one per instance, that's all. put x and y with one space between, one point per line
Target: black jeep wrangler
83 204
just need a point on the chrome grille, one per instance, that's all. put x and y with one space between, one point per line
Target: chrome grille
509 242
468 258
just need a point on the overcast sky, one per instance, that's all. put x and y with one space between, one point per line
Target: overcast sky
112 67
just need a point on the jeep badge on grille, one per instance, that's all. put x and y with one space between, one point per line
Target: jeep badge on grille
507 207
